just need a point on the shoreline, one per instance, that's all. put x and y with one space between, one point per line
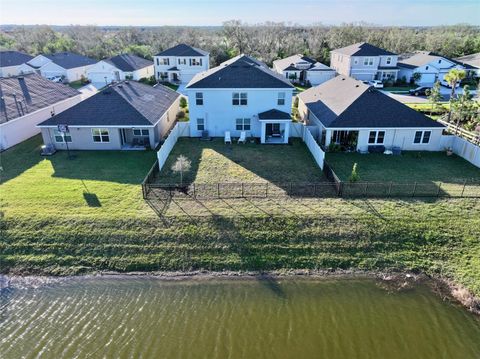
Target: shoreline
445 288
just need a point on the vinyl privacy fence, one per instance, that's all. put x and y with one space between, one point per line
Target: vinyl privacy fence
181 129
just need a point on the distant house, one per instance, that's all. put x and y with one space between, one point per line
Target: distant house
355 116
65 64
13 63
180 63
472 62
27 100
365 62
125 115
299 68
120 67
242 94
432 67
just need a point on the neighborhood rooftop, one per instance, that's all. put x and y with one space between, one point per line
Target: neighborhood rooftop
129 62
69 60
291 61
25 94
420 58
182 50
363 49
240 72
472 60
13 58
127 103
344 102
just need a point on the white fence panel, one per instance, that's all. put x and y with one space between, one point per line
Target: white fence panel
167 146
183 129
462 148
296 129
314 148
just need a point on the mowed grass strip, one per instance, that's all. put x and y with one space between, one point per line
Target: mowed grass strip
49 226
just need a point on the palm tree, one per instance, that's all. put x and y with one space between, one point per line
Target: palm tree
453 77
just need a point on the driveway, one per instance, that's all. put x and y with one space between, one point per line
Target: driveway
406 98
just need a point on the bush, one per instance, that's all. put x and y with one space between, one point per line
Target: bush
183 102
148 80
334 147
354 177
180 115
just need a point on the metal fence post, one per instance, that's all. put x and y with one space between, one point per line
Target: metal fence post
194 191
218 189
390 189
266 190
243 192
366 189
463 190
414 189
439 187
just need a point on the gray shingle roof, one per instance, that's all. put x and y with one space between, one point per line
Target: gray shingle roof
421 58
274 114
127 103
472 60
21 95
129 62
286 63
13 58
69 60
363 49
240 72
344 102
182 50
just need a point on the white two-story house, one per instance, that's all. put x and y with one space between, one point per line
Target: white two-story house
179 64
242 94
365 62
303 69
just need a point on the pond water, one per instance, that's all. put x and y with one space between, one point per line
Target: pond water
273 318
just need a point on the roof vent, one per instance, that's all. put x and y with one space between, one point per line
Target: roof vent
357 85
343 78
120 85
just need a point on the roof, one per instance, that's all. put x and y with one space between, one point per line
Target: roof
420 58
182 50
127 103
239 72
363 49
129 62
472 60
290 64
13 58
344 102
274 114
24 94
69 60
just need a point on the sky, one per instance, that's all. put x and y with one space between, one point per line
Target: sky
214 12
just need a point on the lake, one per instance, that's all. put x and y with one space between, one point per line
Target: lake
145 317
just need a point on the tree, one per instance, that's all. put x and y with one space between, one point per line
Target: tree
464 107
181 165
183 102
453 77
354 177
434 95
416 76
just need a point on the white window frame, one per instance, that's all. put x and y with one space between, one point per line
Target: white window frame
199 98
368 61
141 132
244 122
239 97
422 137
100 135
377 133
195 62
281 98
201 124
165 61
182 61
388 61
64 136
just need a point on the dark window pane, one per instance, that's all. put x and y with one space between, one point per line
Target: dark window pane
418 137
381 136
96 138
145 132
426 137
371 138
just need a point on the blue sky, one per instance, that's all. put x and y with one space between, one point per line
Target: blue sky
214 12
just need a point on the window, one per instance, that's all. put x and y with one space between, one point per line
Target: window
426 67
389 60
200 124
100 135
355 61
239 99
164 61
376 137
368 61
243 124
195 62
59 136
158 62
422 137
281 99
139 132
199 98
182 61
440 61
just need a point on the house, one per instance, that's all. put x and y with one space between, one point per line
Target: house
71 67
25 101
13 63
124 115
180 63
471 62
365 62
432 67
356 116
299 68
242 94
119 68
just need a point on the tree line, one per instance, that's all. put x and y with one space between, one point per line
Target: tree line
267 41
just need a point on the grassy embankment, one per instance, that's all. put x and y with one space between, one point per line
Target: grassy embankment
70 217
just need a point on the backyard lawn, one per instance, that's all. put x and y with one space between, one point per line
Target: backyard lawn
62 217
409 167
76 84
214 162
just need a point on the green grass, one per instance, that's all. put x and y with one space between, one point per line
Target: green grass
399 89
300 88
213 162
172 86
76 84
409 167
76 216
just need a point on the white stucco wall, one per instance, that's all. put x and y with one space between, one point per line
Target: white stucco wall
220 115
22 128
186 72
319 77
82 139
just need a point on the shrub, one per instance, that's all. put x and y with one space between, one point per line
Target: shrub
180 115
354 177
334 147
183 102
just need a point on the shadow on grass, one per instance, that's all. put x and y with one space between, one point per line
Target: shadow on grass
271 283
20 158
91 199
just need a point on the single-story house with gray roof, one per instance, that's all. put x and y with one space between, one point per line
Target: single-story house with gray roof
119 68
13 63
303 69
123 116
355 116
